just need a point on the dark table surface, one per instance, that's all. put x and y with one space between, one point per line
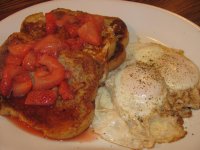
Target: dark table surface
189 9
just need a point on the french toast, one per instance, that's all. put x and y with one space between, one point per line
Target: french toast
114 34
65 118
50 71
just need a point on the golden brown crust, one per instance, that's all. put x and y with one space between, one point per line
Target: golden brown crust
117 58
184 101
34 25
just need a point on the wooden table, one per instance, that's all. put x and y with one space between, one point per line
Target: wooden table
189 9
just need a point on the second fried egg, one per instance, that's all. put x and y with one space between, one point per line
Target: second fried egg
178 71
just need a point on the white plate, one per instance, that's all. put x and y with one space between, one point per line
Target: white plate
141 19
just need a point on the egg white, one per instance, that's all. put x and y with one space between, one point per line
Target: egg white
138 90
178 71
146 96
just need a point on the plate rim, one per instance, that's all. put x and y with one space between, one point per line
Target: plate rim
193 25
120 1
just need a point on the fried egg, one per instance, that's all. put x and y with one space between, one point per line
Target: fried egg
180 74
178 71
107 121
138 90
132 97
147 96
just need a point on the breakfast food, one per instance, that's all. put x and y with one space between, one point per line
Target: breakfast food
105 37
180 74
147 97
52 98
51 69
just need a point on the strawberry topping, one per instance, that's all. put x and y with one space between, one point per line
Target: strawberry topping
19 50
65 91
41 97
50 23
53 78
33 70
22 84
9 72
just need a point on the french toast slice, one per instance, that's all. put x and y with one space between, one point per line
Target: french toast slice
114 34
68 54
65 118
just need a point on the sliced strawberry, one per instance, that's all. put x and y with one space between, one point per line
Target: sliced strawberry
49 45
13 60
90 33
19 50
50 23
72 29
97 20
41 72
83 18
41 97
66 19
9 72
22 84
65 91
29 61
53 78
50 62
75 43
